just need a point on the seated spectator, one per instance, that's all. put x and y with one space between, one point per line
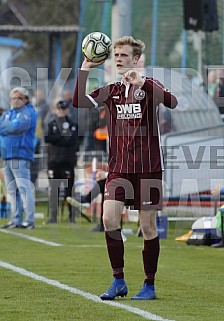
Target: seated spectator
85 200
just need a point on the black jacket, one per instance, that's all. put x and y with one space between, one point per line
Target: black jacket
61 134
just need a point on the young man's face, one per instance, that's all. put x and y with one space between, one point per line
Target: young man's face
124 59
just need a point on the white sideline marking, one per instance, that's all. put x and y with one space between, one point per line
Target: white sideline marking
86 295
87 245
31 238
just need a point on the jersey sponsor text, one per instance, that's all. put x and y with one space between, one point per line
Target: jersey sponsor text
129 111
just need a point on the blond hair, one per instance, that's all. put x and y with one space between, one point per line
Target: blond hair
137 45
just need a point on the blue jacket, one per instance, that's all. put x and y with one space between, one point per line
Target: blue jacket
17 131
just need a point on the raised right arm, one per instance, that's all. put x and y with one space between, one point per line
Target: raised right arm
80 98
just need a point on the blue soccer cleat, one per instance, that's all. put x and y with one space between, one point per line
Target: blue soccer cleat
118 288
146 293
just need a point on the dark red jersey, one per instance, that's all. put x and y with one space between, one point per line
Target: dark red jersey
134 139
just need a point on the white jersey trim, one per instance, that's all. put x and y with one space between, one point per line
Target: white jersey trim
93 101
160 144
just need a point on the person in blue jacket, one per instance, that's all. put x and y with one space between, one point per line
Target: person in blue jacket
17 131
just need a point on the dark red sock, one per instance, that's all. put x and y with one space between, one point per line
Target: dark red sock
115 248
150 255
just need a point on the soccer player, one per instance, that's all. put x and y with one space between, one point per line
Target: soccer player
135 159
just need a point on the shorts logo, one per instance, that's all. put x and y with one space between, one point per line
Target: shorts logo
139 94
129 111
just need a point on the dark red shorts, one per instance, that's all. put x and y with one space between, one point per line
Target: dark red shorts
140 191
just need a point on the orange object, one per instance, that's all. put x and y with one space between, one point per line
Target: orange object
101 133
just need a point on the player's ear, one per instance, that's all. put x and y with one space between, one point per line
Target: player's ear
136 59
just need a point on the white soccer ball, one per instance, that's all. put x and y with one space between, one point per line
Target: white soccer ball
96 46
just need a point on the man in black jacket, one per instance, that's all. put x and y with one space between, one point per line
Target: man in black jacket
61 134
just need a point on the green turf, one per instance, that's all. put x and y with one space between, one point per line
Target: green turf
189 279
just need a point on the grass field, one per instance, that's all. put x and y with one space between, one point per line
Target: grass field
42 282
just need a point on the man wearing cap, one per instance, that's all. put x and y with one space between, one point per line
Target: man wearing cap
61 134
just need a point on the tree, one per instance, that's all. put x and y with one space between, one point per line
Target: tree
47 12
